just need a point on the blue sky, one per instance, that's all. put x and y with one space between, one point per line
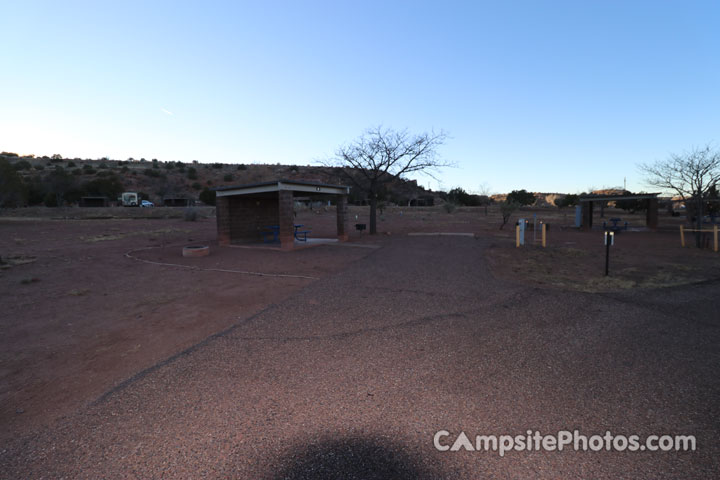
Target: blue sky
546 96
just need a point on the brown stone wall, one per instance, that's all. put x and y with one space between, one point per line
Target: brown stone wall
222 216
241 218
286 219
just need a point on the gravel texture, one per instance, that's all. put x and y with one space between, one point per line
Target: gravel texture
352 375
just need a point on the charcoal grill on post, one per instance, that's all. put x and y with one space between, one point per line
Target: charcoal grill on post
360 227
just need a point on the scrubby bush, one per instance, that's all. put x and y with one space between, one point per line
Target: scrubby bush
632 205
13 192
242 167
228 177
207 196
22 165
108 186
60 183
196 186
36 191
50 200
190 215
461 197
521 197
192 173
569 200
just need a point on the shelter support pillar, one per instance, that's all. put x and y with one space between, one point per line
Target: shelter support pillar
286 219
222 214
652 213
342 218
587 215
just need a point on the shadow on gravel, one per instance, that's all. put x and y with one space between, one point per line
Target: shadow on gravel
353 458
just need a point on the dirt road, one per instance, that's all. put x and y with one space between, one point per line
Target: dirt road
352 375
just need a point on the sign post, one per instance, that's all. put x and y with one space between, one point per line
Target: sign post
609 240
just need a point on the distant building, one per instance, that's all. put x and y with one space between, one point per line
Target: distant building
172 201
94 202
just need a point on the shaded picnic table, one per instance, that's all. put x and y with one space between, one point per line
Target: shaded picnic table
272 233
615 227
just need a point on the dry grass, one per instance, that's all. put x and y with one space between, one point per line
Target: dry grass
117 236
14 260
78 292
582 270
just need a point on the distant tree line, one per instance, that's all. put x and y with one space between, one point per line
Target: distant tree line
55 188
459 196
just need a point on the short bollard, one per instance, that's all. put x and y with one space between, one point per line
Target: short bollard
609 240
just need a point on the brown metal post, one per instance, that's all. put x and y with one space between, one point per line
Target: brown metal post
587 215
682 236
286 219
652 213
341 208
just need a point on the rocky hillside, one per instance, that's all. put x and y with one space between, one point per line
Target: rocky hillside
158 180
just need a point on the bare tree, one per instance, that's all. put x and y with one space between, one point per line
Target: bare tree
692 175
382 155
484 192
507 208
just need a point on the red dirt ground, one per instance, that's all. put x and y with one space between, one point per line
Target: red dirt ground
80 318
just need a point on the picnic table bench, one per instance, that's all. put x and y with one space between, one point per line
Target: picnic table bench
299 233
271 234
615 227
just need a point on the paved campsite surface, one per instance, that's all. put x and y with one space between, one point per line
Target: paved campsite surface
350 376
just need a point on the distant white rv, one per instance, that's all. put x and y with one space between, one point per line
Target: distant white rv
130 199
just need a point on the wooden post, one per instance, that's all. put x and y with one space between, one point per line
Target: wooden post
517 236
715 238
682 236
544 236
